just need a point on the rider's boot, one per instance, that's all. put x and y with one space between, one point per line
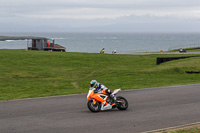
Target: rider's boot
112 96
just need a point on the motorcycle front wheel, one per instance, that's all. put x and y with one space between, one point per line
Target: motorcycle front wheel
93 107
122 103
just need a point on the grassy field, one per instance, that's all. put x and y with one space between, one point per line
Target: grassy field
27 74
195 49
192 130
188 131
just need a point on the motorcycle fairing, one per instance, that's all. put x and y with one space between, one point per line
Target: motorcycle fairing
116 91
105 107
102 98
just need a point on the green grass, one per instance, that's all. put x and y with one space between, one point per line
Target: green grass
195 49
27 74
195 130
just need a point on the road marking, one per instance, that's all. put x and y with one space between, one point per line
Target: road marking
174 127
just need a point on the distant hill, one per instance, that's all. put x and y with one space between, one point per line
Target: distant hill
3 38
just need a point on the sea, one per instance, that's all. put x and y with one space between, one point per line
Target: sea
122 42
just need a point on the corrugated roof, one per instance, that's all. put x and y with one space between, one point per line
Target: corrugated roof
57 46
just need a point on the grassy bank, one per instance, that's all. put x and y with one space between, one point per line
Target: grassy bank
26 74
187 131
194 49
184 130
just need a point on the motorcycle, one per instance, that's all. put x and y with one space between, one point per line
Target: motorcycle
100 101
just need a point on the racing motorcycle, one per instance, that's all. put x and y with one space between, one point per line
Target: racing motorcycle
99 101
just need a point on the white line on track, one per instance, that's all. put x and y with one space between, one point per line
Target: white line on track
174 127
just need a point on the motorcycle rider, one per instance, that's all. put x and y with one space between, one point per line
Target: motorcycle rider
99 87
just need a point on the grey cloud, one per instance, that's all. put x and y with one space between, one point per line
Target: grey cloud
138 15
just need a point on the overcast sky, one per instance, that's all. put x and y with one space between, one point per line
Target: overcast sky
100 15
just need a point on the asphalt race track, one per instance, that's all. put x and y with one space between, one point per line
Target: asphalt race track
149 109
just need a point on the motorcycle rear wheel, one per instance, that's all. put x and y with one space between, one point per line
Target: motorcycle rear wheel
93 107
122 103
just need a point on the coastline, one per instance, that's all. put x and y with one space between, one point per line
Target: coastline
127 43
